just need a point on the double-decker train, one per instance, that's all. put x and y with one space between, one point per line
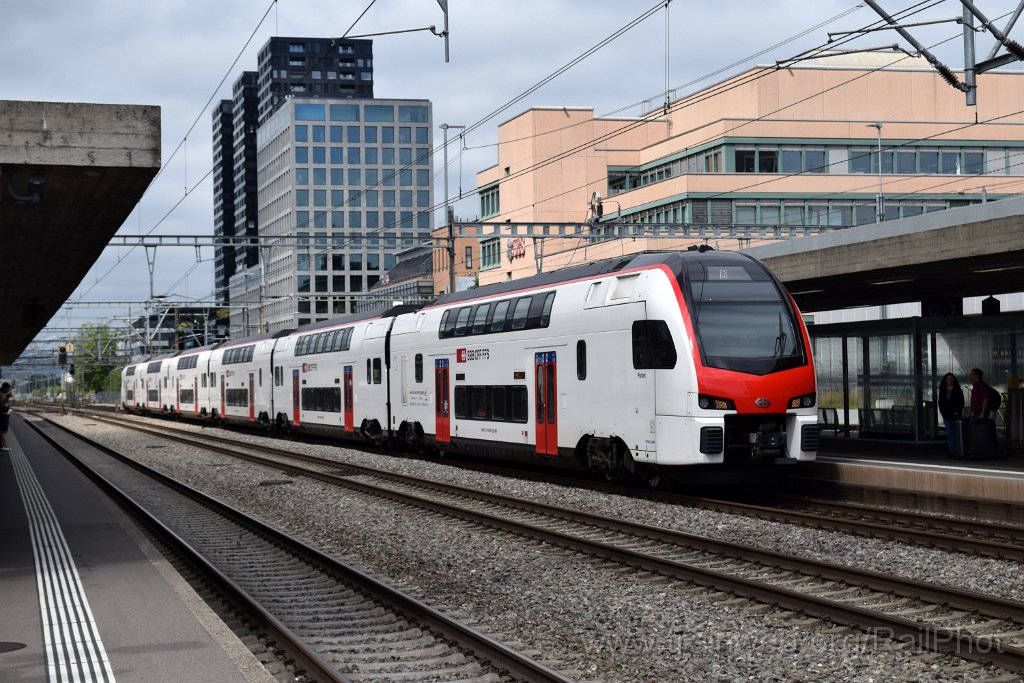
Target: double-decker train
634 366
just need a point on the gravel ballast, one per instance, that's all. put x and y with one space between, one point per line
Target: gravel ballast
592 620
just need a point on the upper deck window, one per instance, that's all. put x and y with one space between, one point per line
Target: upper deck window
520 313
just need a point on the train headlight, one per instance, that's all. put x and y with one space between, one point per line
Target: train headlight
805 401
706 402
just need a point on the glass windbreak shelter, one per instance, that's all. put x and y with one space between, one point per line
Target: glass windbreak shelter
879 379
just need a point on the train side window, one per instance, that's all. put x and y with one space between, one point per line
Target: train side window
498 411
498 317
376 370
545 315
478 401
461 410
462 321
369 375
652 345
521 311
320 339
448 323
536 310
419 368
581 360
520 404
480 314
261 377
204 380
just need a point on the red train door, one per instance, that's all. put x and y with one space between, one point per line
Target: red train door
349 407
252 397
295 397
442 404
223 402
177 395
546 403
195 395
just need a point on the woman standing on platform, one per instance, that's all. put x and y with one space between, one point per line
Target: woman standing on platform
5 414
951 407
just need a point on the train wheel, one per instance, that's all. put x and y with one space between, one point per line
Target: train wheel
652 477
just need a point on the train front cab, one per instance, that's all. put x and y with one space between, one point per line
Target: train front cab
751 397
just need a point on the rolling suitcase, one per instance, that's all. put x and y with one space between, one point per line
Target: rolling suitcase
981 438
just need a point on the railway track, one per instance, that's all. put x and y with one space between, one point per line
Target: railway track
983 538
973 626
332 622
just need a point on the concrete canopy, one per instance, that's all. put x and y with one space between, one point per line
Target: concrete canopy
971 251
88 164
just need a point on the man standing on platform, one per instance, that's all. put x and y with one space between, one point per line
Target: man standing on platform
979 395
5 414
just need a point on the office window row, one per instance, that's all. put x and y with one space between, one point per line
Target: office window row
387 177
490 253
371 135
337 284
775 212
375 113
368 156
371 198
490 202
357 220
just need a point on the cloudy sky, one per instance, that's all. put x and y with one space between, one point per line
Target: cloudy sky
174 53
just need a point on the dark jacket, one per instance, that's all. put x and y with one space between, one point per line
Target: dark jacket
951 405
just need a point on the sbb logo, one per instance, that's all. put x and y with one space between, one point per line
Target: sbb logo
460 355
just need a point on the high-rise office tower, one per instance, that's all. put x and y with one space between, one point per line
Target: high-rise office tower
287 67
352 180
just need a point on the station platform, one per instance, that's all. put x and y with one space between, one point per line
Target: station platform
900 466
85 596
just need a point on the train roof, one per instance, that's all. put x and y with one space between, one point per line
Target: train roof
199 349
255 338
358 317
675 260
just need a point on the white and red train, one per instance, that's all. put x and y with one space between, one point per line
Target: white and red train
628 366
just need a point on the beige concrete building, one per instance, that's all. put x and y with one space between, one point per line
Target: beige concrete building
767 152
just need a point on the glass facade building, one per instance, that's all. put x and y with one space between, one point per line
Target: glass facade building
351 179
287 66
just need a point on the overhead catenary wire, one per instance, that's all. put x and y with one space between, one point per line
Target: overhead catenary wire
708 95
386 227
184 139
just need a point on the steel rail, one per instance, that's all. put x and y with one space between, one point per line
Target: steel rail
498 654
305 659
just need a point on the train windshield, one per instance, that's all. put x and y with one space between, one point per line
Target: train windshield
742 318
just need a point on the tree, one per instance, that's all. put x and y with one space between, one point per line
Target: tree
98 365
